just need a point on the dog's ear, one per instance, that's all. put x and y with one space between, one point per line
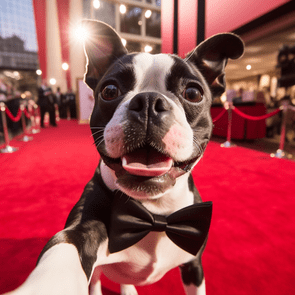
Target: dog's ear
211 56
102 47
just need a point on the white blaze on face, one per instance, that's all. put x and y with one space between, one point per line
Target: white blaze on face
151 71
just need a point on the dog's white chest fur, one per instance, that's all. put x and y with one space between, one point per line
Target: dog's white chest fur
146 262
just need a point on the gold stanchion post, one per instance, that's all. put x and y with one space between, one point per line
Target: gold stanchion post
280 153
35 128
8 149
25 137
228 143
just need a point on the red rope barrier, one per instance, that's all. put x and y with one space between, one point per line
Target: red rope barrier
237 111
27 114
11 117
219 115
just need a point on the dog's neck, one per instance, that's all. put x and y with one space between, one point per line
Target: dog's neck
176 198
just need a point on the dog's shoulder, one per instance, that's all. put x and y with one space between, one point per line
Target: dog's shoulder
94 204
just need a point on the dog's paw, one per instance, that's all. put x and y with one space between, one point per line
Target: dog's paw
128 290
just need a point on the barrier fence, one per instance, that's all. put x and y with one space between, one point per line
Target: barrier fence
229 107
32 113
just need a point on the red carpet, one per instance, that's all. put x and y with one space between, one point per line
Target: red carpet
251 241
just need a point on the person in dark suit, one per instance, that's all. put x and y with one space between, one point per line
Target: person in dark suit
61 102
46 101
71 101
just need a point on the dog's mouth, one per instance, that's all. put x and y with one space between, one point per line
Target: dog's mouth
147 172
146 162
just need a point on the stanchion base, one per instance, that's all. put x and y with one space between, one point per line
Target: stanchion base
26 138
34 131
227 144
281 155
8 150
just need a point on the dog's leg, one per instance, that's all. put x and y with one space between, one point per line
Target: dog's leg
128 290
193 290
58 272
95 284
193 277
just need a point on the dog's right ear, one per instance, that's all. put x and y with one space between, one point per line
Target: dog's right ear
102 47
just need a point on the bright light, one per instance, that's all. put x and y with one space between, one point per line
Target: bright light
39 72
65 66
148 14
124 42
96 4
223 97
123 8
148 48
52 81
248 67
80 33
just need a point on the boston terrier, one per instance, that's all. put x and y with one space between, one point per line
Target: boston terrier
140 215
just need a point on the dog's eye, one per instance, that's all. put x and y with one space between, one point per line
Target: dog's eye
110 92
193 94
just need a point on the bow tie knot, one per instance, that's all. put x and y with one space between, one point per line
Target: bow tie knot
160 223
131 221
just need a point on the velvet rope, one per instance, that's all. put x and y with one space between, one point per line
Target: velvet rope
219 115
237 111
11 117
27 113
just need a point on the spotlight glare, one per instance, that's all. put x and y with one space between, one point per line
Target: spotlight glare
52 81
123 9
148 14
248 67
148 48
65 66
96 4
39 72
80 33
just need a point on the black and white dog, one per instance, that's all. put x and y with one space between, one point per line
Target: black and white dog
140 215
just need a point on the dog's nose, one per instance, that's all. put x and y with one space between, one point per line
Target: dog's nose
149 106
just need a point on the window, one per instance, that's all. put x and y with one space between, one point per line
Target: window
137 21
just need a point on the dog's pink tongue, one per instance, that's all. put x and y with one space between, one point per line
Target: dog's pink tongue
146 163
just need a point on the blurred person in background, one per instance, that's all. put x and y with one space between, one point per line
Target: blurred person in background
46 101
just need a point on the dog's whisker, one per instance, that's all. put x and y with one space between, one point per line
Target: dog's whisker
99 131
100 143
197 144
97 127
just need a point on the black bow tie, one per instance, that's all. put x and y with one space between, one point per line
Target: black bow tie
131 221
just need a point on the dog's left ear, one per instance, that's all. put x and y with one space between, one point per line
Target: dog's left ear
102 47
211 56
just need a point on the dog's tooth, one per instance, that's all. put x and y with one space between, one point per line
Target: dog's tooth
124 161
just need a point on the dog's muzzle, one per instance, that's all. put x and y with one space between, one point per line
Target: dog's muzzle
145 163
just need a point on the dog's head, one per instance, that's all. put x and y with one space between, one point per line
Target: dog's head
151 121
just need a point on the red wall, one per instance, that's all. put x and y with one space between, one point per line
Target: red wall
226 16
167 25
221 16
187 28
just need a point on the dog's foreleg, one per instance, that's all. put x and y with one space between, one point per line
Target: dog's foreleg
194 290
58 272
193 277
128 290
